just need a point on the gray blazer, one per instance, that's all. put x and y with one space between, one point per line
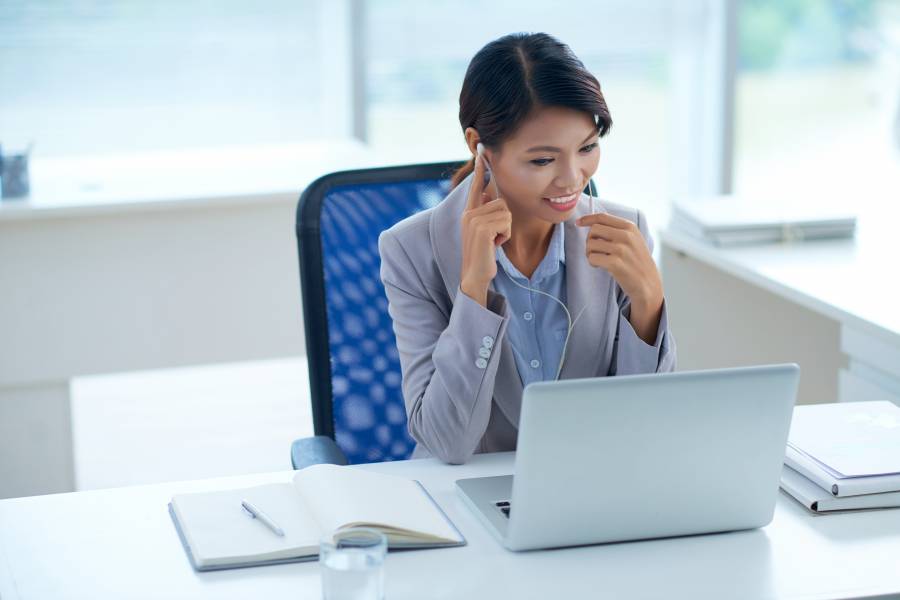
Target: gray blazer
456 404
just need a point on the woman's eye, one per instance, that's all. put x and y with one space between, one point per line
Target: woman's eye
543 162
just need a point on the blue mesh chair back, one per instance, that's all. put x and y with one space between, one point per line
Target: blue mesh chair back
354 369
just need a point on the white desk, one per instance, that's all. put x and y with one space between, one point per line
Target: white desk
120 543
850 287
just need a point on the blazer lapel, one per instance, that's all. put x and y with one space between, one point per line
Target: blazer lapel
444 230
508 382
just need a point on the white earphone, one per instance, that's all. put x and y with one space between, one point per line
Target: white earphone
479 149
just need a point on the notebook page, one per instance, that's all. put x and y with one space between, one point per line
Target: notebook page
343 495
220 531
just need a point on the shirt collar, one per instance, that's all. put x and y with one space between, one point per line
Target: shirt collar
549 265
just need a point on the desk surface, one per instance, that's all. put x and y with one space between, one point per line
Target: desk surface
853 281
120 543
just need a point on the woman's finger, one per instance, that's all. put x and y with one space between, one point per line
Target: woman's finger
602 260
601 245
477 188
507 233
604 232
605 219
504 234
499 221
492 206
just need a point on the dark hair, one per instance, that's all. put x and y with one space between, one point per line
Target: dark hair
515 74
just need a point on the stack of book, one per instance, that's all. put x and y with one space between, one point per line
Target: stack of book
735 220
844 456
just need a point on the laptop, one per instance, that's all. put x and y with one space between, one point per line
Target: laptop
635 457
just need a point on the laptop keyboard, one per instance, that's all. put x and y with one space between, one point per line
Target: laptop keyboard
504 508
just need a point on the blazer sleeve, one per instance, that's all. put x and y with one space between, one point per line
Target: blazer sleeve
632 355
449 361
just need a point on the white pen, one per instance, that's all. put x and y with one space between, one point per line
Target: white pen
261 516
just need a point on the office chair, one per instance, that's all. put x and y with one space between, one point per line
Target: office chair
354 370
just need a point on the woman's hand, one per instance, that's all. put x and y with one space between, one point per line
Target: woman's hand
616 244
486 224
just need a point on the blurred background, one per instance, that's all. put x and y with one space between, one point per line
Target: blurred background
125 102
85 78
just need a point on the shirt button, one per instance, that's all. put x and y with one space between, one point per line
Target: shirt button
535 363
487 341
481 363
484 352
528 316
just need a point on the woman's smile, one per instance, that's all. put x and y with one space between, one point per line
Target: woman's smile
563 203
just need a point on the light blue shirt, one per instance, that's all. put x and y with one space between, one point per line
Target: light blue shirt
538 325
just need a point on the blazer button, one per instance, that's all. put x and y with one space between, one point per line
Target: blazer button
484 352
487 341
481 363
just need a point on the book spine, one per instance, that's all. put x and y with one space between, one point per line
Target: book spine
840 488
862 502
797 495
857 486
818 501
796 461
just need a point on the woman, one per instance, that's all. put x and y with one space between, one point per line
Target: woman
516 280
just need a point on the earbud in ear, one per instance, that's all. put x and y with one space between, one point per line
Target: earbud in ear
479 148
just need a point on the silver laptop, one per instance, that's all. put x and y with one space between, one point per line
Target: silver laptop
642 456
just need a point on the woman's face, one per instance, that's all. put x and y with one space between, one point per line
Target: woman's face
542 170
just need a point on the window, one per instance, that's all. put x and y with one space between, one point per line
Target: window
418 53
817 95
103 77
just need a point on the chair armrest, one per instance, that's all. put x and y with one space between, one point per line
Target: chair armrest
316 450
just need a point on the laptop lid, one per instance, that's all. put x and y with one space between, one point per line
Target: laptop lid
644 456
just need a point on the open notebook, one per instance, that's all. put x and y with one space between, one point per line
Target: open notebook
218 534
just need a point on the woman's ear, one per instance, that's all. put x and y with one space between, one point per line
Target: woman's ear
472 139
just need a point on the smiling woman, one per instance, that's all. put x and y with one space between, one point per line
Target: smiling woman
481 286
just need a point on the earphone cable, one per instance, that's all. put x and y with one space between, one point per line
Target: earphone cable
571 326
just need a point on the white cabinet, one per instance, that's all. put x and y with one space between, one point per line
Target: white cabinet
873 371
837 317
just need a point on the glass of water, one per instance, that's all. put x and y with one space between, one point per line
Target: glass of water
351 561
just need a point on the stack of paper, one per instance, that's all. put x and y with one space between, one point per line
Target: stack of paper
844 456
732 220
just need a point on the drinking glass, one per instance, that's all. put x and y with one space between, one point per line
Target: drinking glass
352 564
